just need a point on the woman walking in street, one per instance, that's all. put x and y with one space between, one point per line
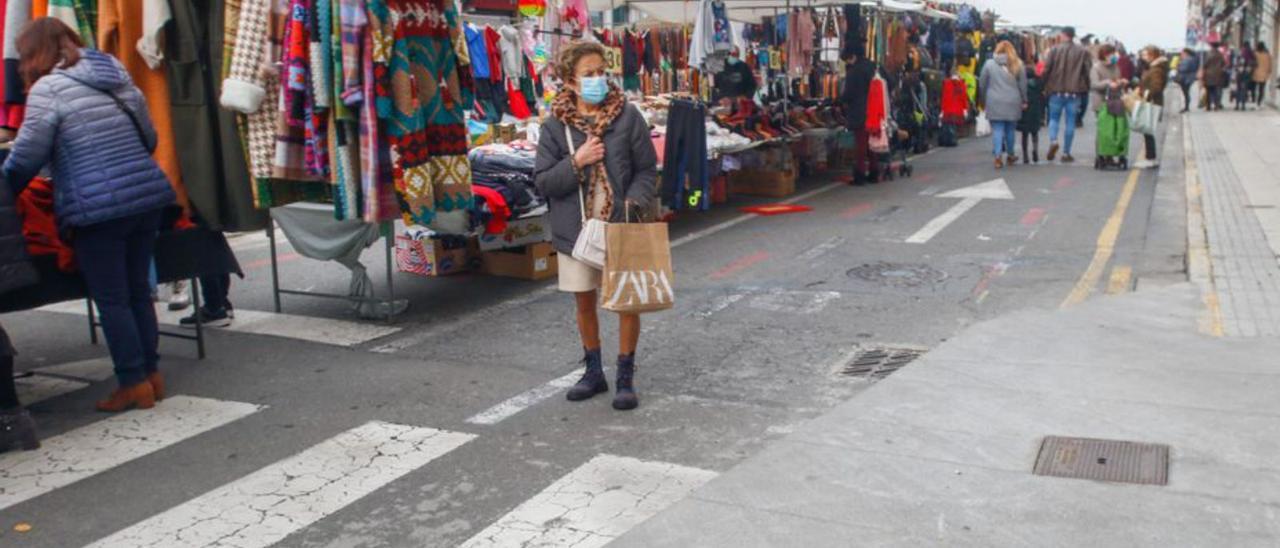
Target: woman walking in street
1213 76
1104 76
87 121
1188 67
1152 86
1261 73
609 172
1003 86
17 430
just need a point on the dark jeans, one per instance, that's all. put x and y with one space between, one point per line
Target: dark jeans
1186 95
685 155
214 290
1215 97
1259 92
1149 143
115 258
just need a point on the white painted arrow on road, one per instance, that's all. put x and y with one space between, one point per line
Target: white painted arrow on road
970 196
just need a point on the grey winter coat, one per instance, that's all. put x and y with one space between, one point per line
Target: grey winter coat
101 162
1100 79
629 159
1003 93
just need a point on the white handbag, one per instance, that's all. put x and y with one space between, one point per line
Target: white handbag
590 247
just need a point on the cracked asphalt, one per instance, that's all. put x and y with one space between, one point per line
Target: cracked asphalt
769 312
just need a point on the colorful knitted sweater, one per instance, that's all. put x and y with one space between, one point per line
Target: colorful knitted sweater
420 91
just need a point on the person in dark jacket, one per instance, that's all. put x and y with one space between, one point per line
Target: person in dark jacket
1033 117
1152 86
16 427
88 123
608 172
1188 67
1213 76
1242 64
1066 79
859 72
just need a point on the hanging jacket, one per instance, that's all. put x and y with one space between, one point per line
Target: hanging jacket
857 84
955 101
102 167
877 106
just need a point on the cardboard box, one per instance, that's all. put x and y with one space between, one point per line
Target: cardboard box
762 182
531 262
431 258
519 233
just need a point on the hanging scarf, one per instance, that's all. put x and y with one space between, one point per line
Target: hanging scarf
565 109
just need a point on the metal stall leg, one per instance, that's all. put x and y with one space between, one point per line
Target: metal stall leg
275 265
195 300
93 322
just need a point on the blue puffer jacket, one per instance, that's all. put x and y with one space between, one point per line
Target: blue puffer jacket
101 168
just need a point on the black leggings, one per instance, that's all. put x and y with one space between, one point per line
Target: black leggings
1149 143
1258 91
1034 137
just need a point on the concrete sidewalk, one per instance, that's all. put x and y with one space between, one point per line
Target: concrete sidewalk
942 451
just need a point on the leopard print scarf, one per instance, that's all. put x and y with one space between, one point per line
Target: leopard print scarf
565 108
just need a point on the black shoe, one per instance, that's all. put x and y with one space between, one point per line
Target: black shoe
219 318
592 381
17 430
626 399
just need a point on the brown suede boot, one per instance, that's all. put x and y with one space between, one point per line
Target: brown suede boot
157 385
140 396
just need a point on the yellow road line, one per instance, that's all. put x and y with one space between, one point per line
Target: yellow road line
1121 280
1106 245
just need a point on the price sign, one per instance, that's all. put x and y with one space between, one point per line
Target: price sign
613 60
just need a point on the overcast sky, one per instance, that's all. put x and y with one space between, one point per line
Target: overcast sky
1135 22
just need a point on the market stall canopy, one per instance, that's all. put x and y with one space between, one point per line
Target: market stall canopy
751 11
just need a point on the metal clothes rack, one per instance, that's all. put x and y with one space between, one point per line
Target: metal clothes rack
198 338
389 304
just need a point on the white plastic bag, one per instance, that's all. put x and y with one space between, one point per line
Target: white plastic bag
983 126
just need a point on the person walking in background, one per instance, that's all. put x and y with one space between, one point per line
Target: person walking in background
1261 73
859 72
1188 67
17 430
1002 88
1032 117
1242 65
608 172
87 120
1105 75
1152 85
1213 76
1066 76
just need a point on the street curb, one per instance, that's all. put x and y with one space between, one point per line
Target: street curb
1199 265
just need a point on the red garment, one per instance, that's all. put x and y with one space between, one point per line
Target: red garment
876 97
491 41
519 105
955 101
497 205
39 227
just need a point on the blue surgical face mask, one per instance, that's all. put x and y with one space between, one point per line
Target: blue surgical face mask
593 89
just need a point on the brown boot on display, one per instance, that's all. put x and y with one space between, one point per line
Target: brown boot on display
140 396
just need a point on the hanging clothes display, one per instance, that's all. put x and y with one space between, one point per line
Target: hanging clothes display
13 98
420 98
212 159
121 26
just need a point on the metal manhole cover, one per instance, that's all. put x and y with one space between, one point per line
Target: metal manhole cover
879 362
1105 460
899 275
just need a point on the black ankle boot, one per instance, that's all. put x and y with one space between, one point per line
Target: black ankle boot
17 430
626 399
592 381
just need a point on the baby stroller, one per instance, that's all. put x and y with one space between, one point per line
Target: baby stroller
1113 134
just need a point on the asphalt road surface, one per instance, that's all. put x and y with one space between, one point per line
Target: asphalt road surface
448 426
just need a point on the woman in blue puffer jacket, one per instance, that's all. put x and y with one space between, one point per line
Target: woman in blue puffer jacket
88 124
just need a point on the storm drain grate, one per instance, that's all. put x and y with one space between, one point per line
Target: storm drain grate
1105 460
879 362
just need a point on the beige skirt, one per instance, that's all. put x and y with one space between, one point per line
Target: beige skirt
576 276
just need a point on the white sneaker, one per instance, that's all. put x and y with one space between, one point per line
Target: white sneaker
1144 164
179 299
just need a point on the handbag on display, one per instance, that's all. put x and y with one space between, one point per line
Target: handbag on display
590 247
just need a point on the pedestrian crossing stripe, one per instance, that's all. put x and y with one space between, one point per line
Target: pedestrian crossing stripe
274 502
86 451
289 326
594 504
